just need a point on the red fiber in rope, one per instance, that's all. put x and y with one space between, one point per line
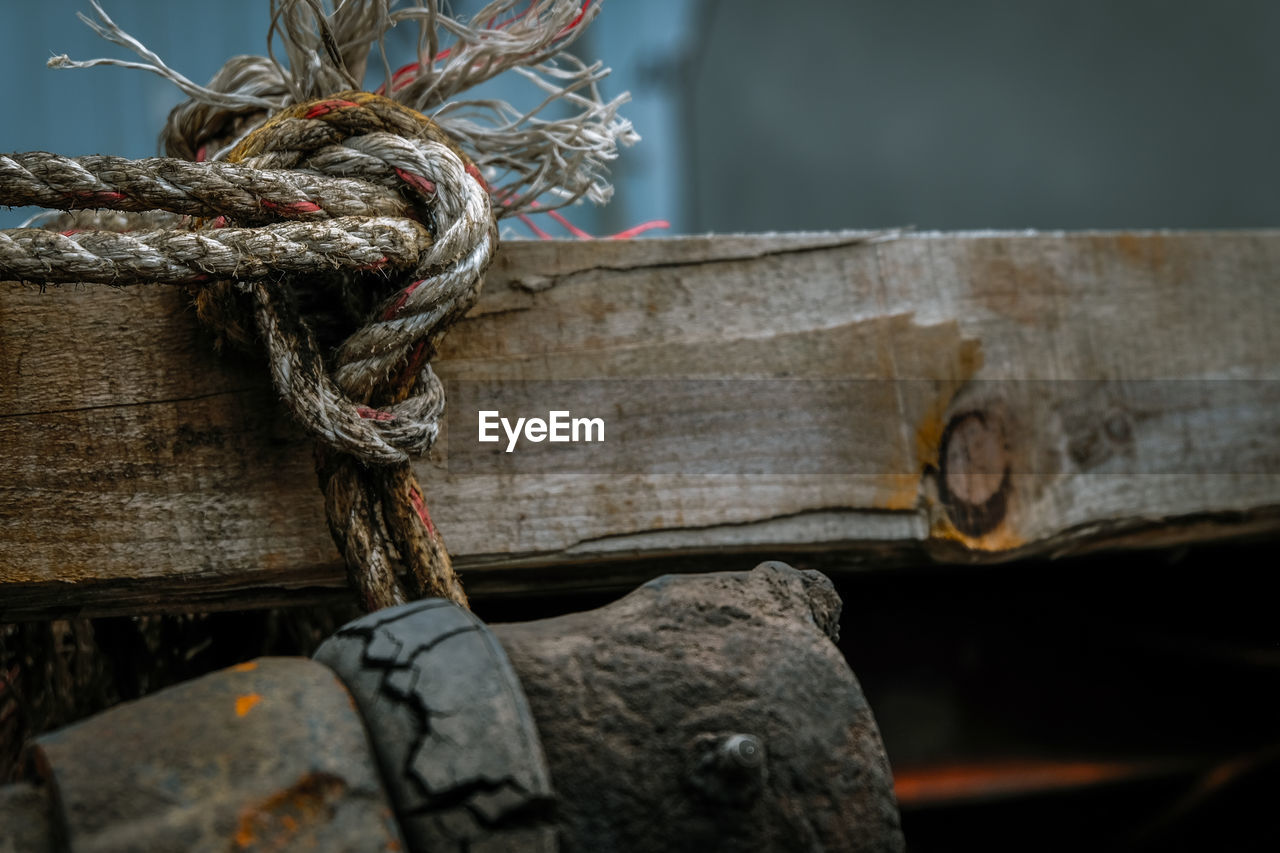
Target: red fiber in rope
569 226
374 414
414 364
295 206
320 108
533 226
420 507
637 230
474 171
418 182
633 231
395 307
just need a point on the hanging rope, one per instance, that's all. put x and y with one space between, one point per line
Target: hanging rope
344 234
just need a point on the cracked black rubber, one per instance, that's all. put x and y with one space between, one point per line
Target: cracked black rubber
457 745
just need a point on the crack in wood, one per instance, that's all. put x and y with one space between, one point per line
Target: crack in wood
230 392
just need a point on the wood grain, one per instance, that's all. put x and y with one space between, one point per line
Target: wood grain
936 397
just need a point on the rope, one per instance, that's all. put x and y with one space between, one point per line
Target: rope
376 402
346 233
559 148
191 257
250 196
382 401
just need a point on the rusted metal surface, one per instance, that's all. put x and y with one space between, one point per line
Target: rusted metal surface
700 712
708 712
267 755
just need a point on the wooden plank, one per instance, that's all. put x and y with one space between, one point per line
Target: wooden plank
952 397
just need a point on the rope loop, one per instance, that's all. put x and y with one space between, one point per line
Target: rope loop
379 402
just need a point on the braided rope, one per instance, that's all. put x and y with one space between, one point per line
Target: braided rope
393 226
376 401
383 400
190 257
249 196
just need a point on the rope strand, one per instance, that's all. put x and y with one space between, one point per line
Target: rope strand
249 196
191 257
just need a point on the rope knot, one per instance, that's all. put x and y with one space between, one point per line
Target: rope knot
391 225
349 351
376 397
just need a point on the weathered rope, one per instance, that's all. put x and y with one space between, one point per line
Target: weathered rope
249 196
190 257
376 402
402 332
379 401
394 227
558 149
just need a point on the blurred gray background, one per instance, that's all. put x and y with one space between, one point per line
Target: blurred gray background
812 114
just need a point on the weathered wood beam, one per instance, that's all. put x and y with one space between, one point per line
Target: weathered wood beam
944 397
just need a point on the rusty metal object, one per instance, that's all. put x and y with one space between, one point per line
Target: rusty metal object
708 712
267 755
700 712
458 748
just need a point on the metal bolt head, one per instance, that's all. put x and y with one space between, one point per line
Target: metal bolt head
741 752
728 768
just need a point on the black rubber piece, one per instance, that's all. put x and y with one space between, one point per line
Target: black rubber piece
450 725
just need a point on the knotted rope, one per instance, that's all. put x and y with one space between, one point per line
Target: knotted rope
349 232
382 401
377 402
